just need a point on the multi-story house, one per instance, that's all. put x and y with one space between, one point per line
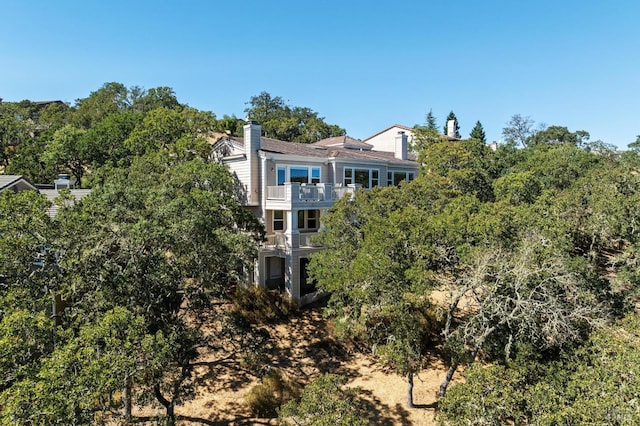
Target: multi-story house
289 186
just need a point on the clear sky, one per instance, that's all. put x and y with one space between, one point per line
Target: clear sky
363 65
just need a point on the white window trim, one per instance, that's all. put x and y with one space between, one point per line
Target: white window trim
287 171
274 220
304 226
407 173
353 175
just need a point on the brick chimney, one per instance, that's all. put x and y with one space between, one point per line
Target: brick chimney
402 142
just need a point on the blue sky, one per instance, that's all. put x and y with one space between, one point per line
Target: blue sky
363 65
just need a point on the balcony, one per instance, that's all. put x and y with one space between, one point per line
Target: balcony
294 192
280 241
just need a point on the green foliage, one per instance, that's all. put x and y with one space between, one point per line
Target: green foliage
177 131
518 130
463 163
517 188
83 375
430 121
292 124
273 391
558 134
324 402
477 133
557 166
597 383
65 150
27 270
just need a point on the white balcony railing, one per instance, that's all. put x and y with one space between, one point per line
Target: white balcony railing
295 192
279 240
275 193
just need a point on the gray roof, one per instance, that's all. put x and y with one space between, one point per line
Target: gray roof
52 194
8 181
344 142
275 146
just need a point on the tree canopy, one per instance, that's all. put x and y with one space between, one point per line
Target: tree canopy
524 241
291 124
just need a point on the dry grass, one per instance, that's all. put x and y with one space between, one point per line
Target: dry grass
304 350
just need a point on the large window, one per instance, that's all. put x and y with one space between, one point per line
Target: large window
394 177
300 174
368 178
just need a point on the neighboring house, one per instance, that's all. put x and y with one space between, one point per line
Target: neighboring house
289 186
15 183
384 140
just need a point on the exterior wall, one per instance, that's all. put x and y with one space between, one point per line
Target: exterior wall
386 141
240 169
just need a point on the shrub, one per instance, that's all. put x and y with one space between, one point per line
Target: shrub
258 305
273 390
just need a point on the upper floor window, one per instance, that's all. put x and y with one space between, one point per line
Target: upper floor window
394 177
308 220
368 178
300 174
278 220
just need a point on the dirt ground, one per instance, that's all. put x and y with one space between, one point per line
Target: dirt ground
304 349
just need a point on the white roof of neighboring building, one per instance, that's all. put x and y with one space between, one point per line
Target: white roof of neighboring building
52 194
15 181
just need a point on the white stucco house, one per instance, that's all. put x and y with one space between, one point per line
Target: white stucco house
289 186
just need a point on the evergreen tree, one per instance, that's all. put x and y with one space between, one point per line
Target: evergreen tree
478 133
431 123
456 133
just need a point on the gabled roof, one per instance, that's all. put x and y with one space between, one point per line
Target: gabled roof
406 129
400 126
344 142
15 182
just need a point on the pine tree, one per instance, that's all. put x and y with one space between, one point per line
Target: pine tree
431 121
478 133
456 133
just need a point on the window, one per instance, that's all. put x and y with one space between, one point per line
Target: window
394 177
299 174
308 220
315 174
368 178
281 175
278 220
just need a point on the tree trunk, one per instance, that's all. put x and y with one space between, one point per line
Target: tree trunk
445 383
168 405
410 390
126 400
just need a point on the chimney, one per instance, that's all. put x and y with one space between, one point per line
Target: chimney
252 134
401 146
451 128
252 137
